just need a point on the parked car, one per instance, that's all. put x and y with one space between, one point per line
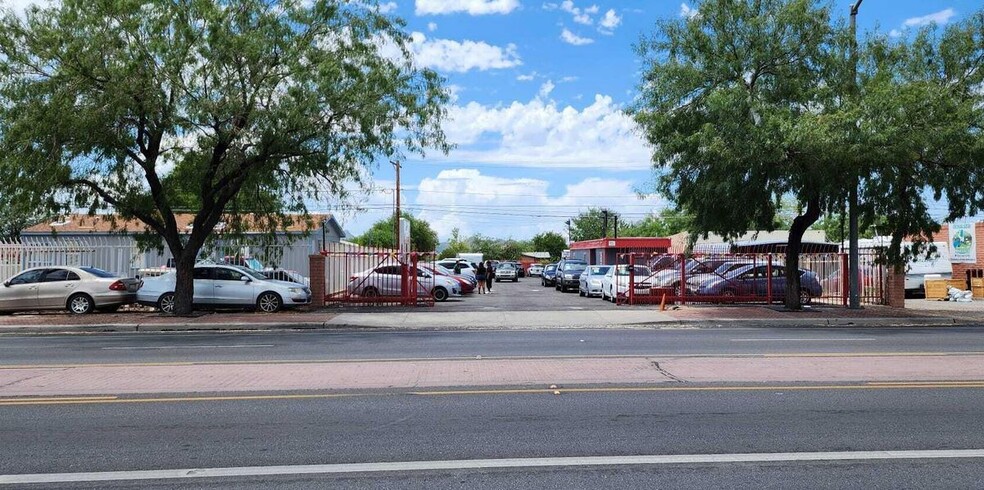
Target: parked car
615 283
569 273
670 277
386 280
549 275
694 281
80 290
220 286
535 270
286 275
467 285
590 282
467 268
506 272
754 280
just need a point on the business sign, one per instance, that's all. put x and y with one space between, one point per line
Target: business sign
963 250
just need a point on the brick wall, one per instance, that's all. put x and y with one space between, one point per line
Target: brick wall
317 264
895 289
960 270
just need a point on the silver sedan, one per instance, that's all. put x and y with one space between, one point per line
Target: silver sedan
78 289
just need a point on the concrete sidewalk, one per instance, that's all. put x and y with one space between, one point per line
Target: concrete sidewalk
921 314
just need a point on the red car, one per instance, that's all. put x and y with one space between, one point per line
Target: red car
466 286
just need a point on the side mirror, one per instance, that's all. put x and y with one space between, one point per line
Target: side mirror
245 279
6 284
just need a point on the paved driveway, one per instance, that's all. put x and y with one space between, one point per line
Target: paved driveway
527 295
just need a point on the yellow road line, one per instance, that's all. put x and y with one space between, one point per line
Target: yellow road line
514 391
490 358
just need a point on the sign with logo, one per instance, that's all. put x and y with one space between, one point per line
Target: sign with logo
963 249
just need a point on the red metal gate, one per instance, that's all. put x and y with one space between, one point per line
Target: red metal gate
375 276
740 278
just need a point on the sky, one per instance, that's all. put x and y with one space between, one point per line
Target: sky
539 89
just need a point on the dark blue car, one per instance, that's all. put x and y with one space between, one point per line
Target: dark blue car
754 280
549 277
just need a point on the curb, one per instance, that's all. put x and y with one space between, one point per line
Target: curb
329 325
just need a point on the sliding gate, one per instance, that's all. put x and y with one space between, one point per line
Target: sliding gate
376 276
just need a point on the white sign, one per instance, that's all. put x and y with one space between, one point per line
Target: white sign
963 246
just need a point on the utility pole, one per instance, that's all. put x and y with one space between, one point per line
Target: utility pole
569 231
854 296
604 212
616 225
396 219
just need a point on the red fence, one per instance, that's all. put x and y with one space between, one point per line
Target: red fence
741 278
375 276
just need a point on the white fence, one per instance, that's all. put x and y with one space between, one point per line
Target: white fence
120 254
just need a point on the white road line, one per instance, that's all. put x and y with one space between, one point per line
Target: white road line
852 339
475 464
169 347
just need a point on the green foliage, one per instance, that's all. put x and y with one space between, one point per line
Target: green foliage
590 225
456 245
550 242
668 222
144 107
383 234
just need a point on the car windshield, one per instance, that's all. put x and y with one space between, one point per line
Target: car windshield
598 270
249 272
98 272
550 268
506 266
575 266
640 270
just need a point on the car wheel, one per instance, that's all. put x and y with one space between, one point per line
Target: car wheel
440 294
580 293
516 280
370 292
805 296
269 302
80 304
166 303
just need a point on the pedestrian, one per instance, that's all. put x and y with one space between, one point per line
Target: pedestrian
489 275
480 278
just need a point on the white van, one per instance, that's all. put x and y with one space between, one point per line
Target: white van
938 265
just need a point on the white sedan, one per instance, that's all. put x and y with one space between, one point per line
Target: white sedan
616 281
386 280
226 286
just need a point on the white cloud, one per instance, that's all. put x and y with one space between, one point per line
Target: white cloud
20 6
449 55
895 33
609 22
545 89
472 7
941 17
580 15
568 79
571 38
517 207
526 78
687 11
431 26
385 8
542 134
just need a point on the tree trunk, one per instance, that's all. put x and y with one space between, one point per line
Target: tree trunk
184 284
793 246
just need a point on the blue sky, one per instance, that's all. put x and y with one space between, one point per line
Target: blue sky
539 86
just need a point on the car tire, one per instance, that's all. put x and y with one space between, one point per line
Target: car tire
440 294
580 293
80 304
166 303
805 296
516 280
370 292
269 302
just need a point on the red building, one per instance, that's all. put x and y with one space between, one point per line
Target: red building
604 251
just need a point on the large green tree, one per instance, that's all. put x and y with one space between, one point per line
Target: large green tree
383 234
590 224
550 242
732 102
668 222
101 101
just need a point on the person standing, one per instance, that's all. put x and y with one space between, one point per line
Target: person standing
480 275
489 275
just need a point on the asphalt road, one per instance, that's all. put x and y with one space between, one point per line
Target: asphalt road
464 428
339 345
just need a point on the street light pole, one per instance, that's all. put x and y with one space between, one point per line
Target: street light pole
396 219
854 296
